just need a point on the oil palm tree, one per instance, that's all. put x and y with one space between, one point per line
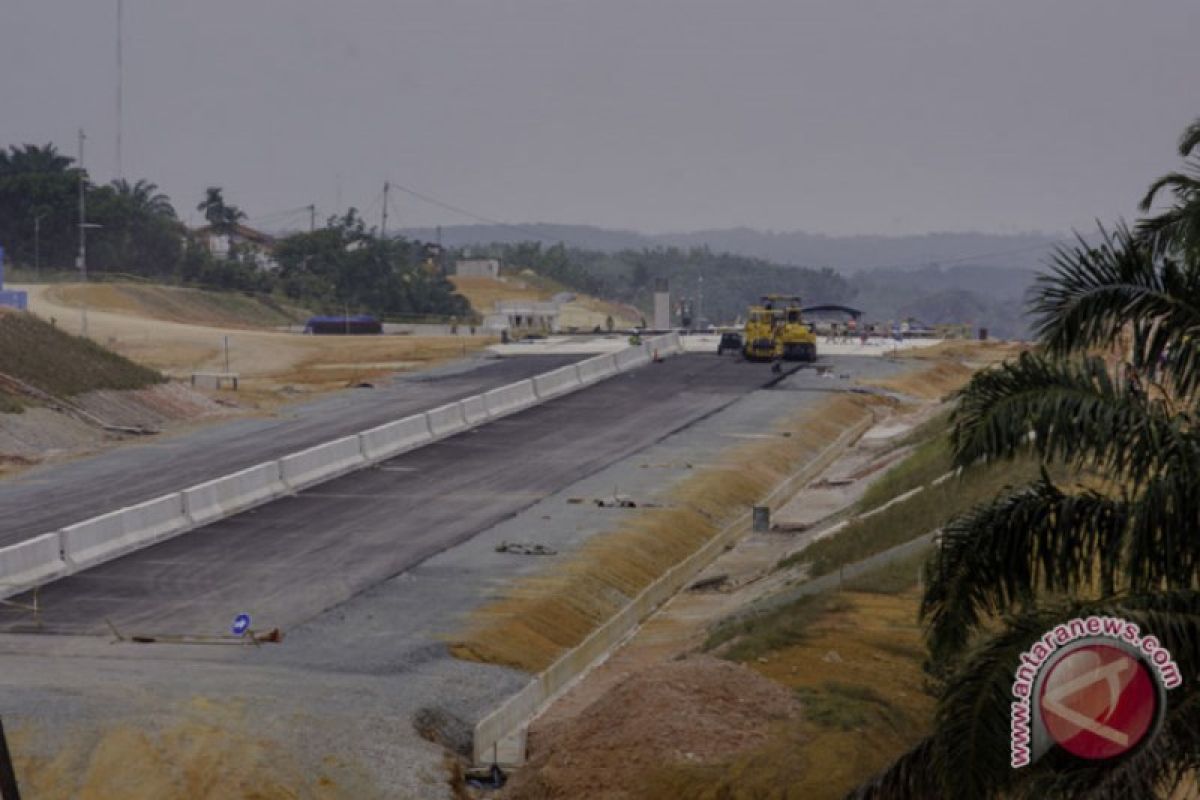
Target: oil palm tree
144 198
1177 228
1126 544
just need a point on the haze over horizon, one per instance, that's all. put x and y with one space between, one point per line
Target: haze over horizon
827 117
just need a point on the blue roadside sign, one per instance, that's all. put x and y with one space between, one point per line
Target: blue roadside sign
241 624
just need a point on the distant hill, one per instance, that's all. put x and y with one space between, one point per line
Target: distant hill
796 248
988 297
976 278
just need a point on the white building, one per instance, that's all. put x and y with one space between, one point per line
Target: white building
477 267
246 240
516 316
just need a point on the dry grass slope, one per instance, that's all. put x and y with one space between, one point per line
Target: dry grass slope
176 304
542 617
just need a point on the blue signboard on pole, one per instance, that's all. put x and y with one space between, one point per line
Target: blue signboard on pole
241 624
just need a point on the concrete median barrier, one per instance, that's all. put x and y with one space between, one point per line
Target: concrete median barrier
224 497
510 399
31 563
446 420
94 541
596 369
556 382
322 463
631 357
474 410
395 438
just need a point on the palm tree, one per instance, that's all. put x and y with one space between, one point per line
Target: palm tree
30 159
1127 543
1178 228
144 198
222 217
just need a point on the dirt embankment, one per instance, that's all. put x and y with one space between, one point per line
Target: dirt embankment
214 332
62 395
700 710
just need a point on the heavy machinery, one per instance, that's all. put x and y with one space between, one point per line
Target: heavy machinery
776 330
797 342
758 341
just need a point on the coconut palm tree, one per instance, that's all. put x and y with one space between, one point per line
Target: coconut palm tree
1126 543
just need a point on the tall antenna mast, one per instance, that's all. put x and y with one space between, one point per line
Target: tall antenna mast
383 223
120 83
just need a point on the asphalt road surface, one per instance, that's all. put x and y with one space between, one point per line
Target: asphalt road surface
293 558
47 498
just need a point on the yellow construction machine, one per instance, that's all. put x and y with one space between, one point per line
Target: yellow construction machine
776 330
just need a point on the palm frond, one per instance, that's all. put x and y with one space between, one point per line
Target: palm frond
993 559
1068 410
968 753
1094 295
1181 184
1190 139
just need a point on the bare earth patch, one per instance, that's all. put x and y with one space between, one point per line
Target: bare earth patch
698 710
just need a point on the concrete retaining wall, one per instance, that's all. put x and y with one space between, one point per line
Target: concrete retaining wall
224 497
30 563
446 420
109 536
395 438
321 463
510 399
556 382
499 737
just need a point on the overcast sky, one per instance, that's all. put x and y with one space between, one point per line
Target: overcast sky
834 116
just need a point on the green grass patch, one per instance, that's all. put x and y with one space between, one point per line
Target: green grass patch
10 404
62 364
929 461
849 706
891 578
775 629
919 514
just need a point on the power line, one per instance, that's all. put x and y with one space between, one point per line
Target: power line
433 201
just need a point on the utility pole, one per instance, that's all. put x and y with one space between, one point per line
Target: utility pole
37 245
120 83
383 225
312 217
82 257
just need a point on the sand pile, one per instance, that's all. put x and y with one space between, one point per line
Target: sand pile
697 711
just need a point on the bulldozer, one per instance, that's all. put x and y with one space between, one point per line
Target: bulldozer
776 330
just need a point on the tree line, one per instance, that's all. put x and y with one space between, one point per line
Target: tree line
722 284
138 232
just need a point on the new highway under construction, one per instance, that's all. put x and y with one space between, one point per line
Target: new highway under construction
367 574
302 554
